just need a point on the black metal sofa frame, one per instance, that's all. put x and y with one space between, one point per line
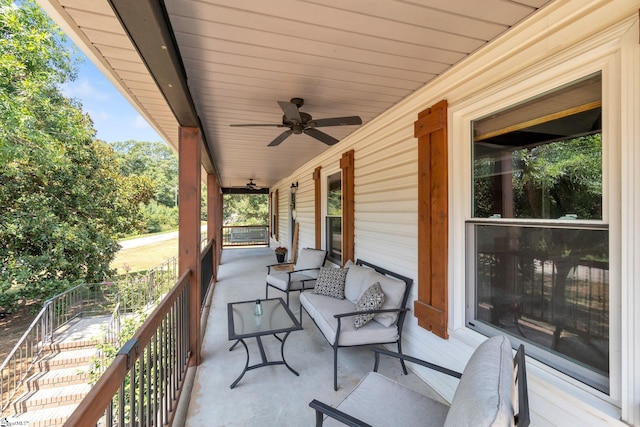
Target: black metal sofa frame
401 310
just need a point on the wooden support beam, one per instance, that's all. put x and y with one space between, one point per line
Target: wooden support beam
189 190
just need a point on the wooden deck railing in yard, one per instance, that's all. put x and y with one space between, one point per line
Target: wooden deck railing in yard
143 384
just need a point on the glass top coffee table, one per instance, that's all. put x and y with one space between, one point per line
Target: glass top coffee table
245 322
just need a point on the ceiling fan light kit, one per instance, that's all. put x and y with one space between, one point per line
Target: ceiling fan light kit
300 122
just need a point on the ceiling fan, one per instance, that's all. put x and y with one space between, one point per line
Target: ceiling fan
252 185
299 122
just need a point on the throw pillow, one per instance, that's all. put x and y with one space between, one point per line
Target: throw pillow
330 282
371 299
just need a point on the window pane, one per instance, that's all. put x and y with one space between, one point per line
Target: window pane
334 195
548 286
334 218
334 238
542 158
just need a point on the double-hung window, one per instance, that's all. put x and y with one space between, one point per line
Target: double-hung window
537 240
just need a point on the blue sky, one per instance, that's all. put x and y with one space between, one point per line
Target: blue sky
113 117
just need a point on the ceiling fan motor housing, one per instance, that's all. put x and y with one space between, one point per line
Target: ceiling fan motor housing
297 128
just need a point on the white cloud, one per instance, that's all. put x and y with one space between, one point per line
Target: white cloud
140 123
84 90
99 115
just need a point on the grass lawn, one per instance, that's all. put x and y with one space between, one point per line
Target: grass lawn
145 257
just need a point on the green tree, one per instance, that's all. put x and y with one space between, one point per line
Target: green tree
63 202
246 209
154 160
158 163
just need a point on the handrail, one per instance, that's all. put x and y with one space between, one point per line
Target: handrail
155 359
66 306
7 376
21 359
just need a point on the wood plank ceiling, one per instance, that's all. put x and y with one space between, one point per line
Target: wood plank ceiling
239 57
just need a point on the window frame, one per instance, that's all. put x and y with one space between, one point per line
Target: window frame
518 88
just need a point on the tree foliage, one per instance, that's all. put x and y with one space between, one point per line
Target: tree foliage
157 163
246 209
63 200
549 181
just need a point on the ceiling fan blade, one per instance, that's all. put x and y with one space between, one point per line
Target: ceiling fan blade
336 121
320 136
284 135
257 124
290 111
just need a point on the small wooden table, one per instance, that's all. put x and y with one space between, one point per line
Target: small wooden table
276 318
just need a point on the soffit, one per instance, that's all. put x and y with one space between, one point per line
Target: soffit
356 57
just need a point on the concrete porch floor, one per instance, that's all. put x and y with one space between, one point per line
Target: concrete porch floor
271 396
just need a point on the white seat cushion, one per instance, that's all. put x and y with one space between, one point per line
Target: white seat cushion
281 281
380 401
322 308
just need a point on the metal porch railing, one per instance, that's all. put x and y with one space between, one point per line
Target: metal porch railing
82 300
143 383
245 235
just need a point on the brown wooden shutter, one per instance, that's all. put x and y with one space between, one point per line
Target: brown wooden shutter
348 206
432 304
318 206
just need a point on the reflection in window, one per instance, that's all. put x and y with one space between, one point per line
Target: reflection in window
334 218
547 166
548 286
543 282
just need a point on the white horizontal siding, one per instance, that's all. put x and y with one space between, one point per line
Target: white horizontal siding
386 200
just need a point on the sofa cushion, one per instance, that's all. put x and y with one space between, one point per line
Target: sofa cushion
393 291
310 258
331 282
371 299
356 281
486 392
280 280
376 394
322 308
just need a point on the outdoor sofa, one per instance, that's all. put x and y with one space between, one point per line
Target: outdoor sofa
340 306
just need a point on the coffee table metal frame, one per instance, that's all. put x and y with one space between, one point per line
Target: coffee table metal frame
258 329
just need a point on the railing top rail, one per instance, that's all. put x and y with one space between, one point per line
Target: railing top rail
92 407
60 295
25 335
245 226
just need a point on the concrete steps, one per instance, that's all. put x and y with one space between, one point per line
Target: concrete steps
51 397
61 377
51 417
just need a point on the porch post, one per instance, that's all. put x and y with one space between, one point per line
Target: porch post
189 166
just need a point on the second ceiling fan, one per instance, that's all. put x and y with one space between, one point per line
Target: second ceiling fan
300 122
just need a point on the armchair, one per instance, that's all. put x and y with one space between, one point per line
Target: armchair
485 396
302 277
